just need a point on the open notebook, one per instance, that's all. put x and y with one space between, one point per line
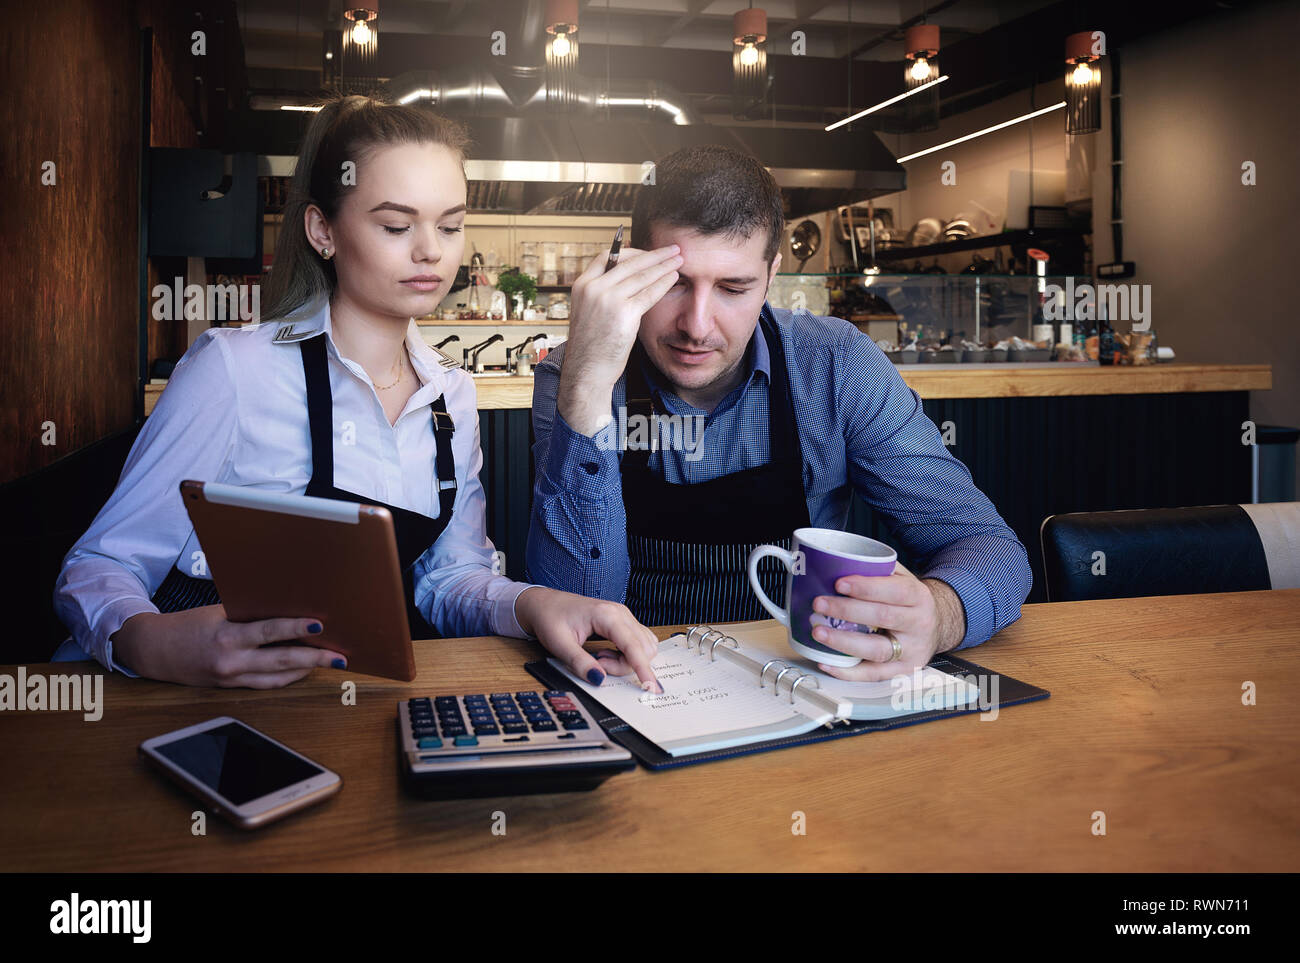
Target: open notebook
747 686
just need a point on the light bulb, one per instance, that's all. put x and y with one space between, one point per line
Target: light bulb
361 33
1082 75
560 46
920 69
749 55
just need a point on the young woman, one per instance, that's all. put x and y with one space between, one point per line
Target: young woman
335 395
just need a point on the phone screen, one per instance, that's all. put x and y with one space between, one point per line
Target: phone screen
237 762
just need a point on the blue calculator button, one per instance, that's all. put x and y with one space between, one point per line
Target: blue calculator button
554 693
486 731
445 701
432 742
475 698
501 695
467 740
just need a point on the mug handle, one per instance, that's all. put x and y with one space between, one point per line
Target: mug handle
756 556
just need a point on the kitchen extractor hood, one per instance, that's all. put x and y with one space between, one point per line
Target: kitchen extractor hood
528 159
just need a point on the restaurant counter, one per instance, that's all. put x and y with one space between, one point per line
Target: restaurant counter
1038 439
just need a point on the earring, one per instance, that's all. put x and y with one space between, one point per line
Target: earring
326 254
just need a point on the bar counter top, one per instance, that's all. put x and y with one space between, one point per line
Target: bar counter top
989 380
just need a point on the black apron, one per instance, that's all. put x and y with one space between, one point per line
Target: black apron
414 532
689 545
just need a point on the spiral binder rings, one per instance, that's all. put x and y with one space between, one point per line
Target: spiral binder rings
742 691
779 667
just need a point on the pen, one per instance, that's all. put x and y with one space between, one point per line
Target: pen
613 251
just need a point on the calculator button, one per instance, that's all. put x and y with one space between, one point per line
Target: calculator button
419 732
500 695
569 715
525 695
450 731
547 726
432 742
476 698
445 701
466 740
486 731
420 703
575 724
514 727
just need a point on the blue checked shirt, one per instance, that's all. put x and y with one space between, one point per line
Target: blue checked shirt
861 429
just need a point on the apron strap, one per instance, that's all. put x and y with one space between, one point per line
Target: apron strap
445 460
320 411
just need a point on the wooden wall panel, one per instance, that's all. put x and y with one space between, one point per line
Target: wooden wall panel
68 304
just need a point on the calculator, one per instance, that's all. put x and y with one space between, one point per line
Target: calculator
503 744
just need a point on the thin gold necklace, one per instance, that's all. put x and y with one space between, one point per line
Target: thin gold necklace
400 371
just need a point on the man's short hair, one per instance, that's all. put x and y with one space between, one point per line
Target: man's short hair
711 189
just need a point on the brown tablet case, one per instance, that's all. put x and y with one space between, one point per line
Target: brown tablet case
276 564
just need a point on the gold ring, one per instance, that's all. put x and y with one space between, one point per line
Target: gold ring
898 650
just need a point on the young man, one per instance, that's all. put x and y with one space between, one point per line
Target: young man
797 412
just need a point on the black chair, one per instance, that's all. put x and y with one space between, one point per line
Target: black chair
1171 551
44 514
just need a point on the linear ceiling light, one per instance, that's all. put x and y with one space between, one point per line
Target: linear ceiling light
980 133
886 103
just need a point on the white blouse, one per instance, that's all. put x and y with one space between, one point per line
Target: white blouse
235 411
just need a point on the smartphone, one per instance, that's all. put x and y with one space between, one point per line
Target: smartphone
240 773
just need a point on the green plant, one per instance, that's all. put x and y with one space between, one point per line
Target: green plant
512 281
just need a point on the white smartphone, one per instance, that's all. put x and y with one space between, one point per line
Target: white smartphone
240 773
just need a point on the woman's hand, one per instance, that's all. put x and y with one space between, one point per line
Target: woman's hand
562 621
201 647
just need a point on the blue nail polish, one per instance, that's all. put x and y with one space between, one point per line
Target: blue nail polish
315 628
339 664
595 676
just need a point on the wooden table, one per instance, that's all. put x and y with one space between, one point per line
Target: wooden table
1145 723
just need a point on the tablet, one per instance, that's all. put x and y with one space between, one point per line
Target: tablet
273 555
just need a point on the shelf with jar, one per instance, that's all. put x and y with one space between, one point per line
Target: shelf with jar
971 316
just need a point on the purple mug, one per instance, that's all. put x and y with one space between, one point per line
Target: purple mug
820 558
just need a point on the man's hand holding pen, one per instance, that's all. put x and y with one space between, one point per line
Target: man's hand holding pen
604 318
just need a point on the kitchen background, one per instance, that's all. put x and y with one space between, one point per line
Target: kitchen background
1204 91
